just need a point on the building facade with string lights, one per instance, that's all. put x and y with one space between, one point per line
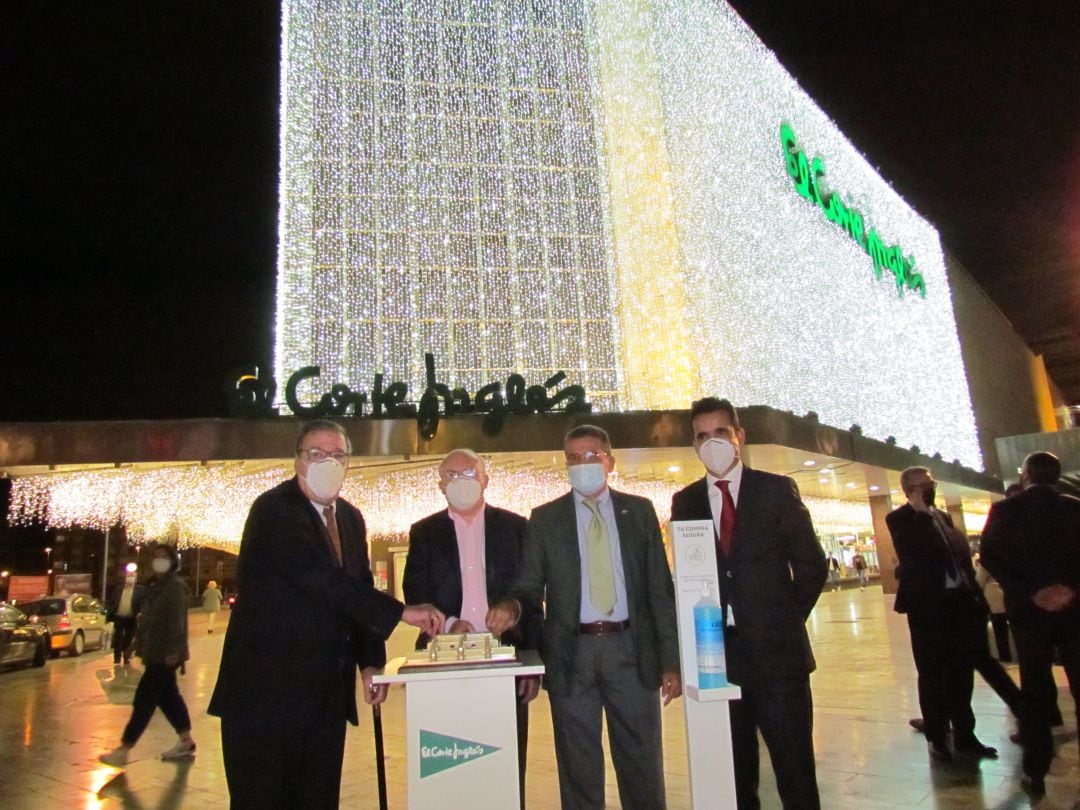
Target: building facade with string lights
635 194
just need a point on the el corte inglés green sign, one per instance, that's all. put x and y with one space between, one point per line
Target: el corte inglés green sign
809 180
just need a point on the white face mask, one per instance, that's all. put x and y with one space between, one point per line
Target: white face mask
587 479
325 478
463 493
161 565
718 456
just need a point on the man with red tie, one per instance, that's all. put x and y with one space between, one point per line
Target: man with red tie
771 571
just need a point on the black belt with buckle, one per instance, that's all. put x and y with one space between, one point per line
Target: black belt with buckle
603 628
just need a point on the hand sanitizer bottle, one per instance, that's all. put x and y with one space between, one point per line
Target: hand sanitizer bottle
709 636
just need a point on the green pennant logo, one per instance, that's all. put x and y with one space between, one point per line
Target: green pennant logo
441 752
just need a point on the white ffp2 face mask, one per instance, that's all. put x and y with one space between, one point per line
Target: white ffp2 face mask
587 479
718 455
463 493
325 478
161 565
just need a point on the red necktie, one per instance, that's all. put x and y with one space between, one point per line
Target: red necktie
727 518
332 530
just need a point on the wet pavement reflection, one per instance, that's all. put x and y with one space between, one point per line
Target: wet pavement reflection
54 721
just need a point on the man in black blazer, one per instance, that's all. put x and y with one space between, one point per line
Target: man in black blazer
1031 546
945 611
595 557
771 571
463 559
307 615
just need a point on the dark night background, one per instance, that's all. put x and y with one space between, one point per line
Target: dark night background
138 183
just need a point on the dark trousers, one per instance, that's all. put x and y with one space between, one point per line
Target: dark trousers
1035 640
271 764
124 628
945 646
784 712
605 684
995 675
1000 623
157 689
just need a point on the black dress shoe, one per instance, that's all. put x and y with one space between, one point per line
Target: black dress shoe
1035 785
918 724
976 749
939 752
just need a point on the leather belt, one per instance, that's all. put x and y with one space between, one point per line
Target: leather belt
603 628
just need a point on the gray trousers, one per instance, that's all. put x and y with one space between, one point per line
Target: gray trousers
605 680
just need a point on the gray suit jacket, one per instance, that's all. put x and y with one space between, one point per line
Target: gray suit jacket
552 572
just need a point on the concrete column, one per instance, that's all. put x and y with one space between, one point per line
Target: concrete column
956 512
880 506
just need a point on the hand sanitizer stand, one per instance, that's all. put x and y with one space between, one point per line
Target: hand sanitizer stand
462 733
708 723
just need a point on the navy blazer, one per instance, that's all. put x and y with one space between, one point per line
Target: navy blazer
1030 541
301 624
772 579
433 568
924 559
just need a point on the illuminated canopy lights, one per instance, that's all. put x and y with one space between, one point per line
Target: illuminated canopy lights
197 505
595 188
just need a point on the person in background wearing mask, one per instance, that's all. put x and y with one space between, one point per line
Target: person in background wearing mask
162 644
125 603
596 558
771 570
946 615
463 559
308 616
211 604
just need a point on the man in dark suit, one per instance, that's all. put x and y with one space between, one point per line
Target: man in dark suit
1031 546
307 616
946 615
596 558
464 559
771 571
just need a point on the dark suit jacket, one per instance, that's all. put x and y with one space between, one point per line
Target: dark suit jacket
924 559
301 624
552 571
433 568
1030 541
773 578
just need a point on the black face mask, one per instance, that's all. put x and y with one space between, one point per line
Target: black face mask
928 495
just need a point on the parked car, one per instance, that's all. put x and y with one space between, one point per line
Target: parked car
76 622
22 641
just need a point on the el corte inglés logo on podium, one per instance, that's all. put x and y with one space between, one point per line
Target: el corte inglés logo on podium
440 752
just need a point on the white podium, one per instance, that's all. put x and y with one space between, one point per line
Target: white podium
461 731
708 722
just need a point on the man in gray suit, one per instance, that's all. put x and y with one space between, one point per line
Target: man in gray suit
596 558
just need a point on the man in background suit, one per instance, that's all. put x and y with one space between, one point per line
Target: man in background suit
946 615
464 559
307 616
771 571
1031 545
596 558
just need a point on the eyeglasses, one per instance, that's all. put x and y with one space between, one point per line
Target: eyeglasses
315 455
453 475
588 457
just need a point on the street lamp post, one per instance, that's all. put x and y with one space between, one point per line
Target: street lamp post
48 556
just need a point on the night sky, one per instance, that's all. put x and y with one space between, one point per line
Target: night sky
138 195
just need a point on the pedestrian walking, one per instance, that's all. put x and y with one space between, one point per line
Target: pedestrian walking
211 604
162 643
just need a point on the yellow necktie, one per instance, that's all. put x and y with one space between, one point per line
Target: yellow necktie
601 573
